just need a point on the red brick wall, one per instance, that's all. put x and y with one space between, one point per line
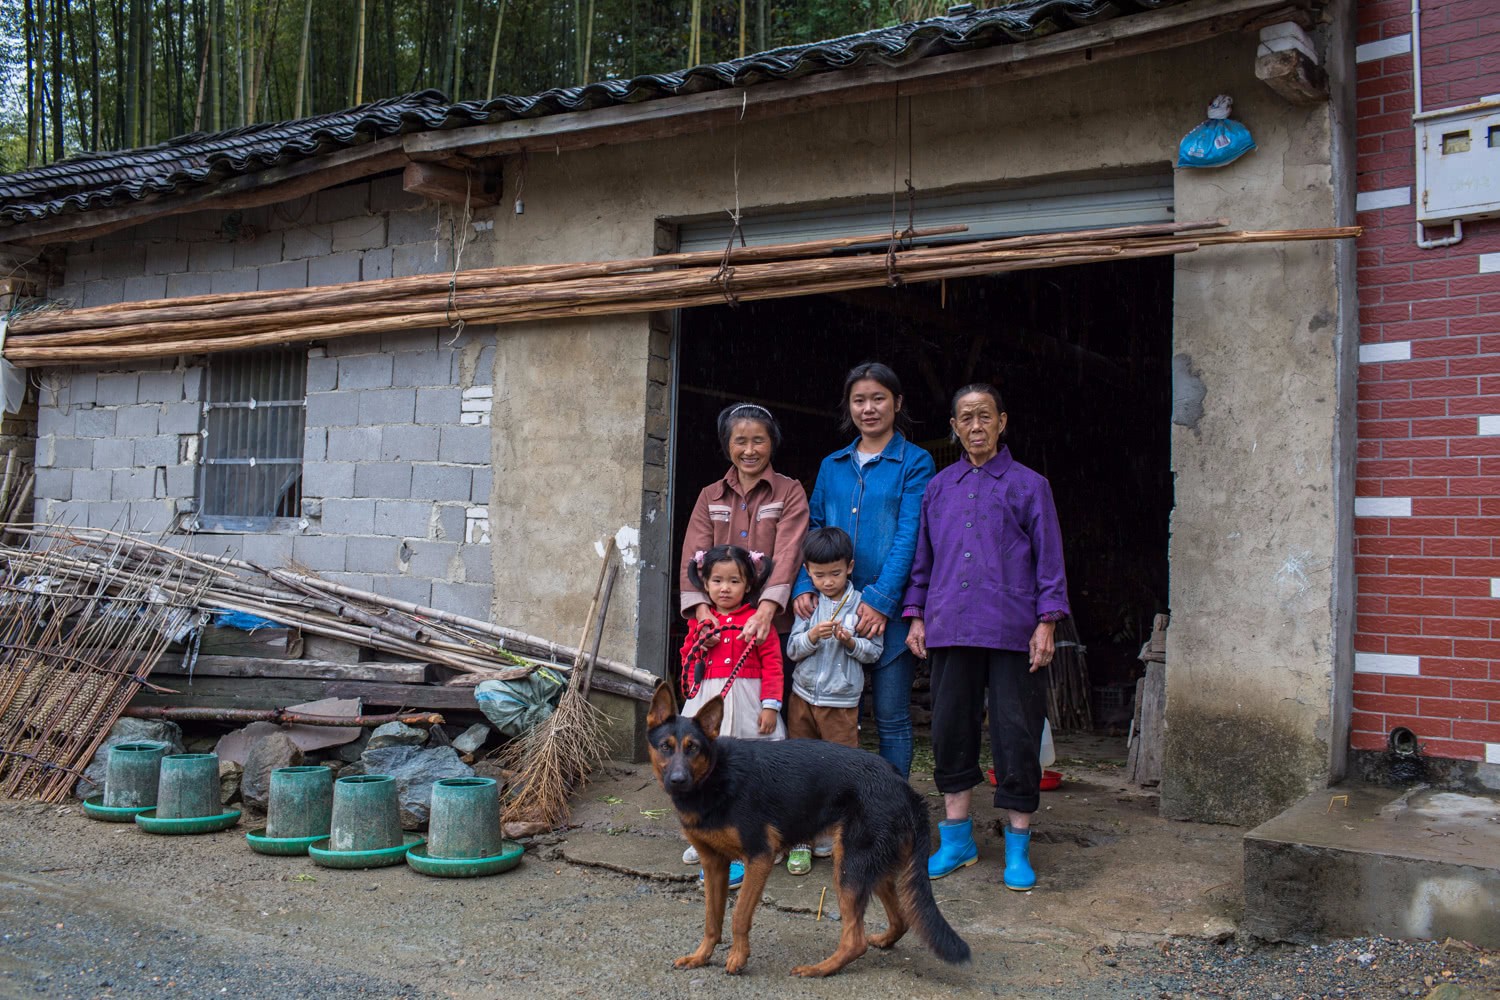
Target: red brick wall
1427 632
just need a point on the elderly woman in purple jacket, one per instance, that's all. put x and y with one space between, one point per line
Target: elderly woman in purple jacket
987 590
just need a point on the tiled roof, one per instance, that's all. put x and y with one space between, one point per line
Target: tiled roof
102 180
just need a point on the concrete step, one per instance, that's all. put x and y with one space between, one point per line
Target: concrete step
1363 859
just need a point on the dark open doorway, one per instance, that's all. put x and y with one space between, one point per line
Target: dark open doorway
1082 356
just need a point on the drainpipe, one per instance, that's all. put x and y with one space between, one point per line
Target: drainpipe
1416 91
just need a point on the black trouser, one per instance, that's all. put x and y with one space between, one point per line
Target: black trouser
1018 708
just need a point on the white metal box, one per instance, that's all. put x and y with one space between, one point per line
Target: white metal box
1458 162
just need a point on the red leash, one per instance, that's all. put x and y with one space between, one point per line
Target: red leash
697 659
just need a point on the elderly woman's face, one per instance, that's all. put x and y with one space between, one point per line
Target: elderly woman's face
978 425
750 448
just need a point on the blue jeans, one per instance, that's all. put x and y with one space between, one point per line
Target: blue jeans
891 686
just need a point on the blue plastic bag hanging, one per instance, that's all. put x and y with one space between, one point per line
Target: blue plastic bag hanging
1218 141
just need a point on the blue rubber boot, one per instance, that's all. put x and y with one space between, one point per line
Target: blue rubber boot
1018 872
957 849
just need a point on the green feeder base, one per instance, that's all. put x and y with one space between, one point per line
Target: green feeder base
152 823
508 858
283 846
95 808
321 855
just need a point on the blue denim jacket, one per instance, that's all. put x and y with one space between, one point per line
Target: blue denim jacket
880 506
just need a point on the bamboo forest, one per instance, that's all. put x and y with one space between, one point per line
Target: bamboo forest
87 75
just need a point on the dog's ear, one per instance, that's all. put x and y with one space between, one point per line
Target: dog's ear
663 706
710 717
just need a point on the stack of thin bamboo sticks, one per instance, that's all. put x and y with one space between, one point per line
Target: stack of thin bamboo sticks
209 323
75 651
93 557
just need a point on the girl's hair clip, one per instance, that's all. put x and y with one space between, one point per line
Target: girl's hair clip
757 557
698 558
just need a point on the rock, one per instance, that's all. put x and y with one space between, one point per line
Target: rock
350 752
265 756
1215 929
517 829
472 738
396 734
415 769
1451 991
348 770
230 774
126 731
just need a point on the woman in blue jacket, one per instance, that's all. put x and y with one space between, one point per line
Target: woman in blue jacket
873 490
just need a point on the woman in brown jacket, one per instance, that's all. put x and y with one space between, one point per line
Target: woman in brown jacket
753 507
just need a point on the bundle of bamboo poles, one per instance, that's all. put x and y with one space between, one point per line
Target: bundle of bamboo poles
209 323
75 650
88 557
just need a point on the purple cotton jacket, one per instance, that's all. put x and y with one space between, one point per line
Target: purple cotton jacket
989 560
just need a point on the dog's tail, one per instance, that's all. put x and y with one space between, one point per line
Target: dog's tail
915 890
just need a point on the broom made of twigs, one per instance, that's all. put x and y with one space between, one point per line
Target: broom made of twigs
555 757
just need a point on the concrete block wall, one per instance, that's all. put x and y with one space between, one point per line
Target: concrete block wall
396 464
1427 514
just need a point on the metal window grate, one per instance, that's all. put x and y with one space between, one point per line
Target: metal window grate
254 411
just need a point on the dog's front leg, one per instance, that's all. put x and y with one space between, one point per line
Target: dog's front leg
757 870
715 894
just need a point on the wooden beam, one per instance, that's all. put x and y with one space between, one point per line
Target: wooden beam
1170 27
171 665
1294 76
467 185
264 187
274 692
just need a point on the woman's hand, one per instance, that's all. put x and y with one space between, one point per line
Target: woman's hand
805 605
1042 646
871 622
766 724
916 639
759 624
705 621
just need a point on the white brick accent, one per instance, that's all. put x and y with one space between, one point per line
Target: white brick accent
1492 753
1489 425
1494 586
1395 350
1386 663
1489 263
1382 506
1394 46
477 526
1368 201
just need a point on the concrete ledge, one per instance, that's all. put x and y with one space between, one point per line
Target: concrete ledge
1361 859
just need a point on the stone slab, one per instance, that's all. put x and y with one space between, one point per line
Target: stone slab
1362 859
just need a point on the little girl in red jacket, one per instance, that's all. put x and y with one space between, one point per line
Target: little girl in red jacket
720 663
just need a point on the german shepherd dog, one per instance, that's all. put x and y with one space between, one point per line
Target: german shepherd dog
748 799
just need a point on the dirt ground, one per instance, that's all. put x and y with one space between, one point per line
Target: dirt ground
1129 905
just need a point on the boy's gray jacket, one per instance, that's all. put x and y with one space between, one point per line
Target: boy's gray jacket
827 674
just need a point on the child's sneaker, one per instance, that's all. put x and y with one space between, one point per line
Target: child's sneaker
736 875
690 856
823 849
799 860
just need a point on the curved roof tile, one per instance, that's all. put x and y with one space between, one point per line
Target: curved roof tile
102 180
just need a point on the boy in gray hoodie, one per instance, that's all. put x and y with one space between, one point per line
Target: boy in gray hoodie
829 677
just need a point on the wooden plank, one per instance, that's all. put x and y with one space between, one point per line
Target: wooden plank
1150 735
404 695
274 692
275 643
270 667
469 186
1170 27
